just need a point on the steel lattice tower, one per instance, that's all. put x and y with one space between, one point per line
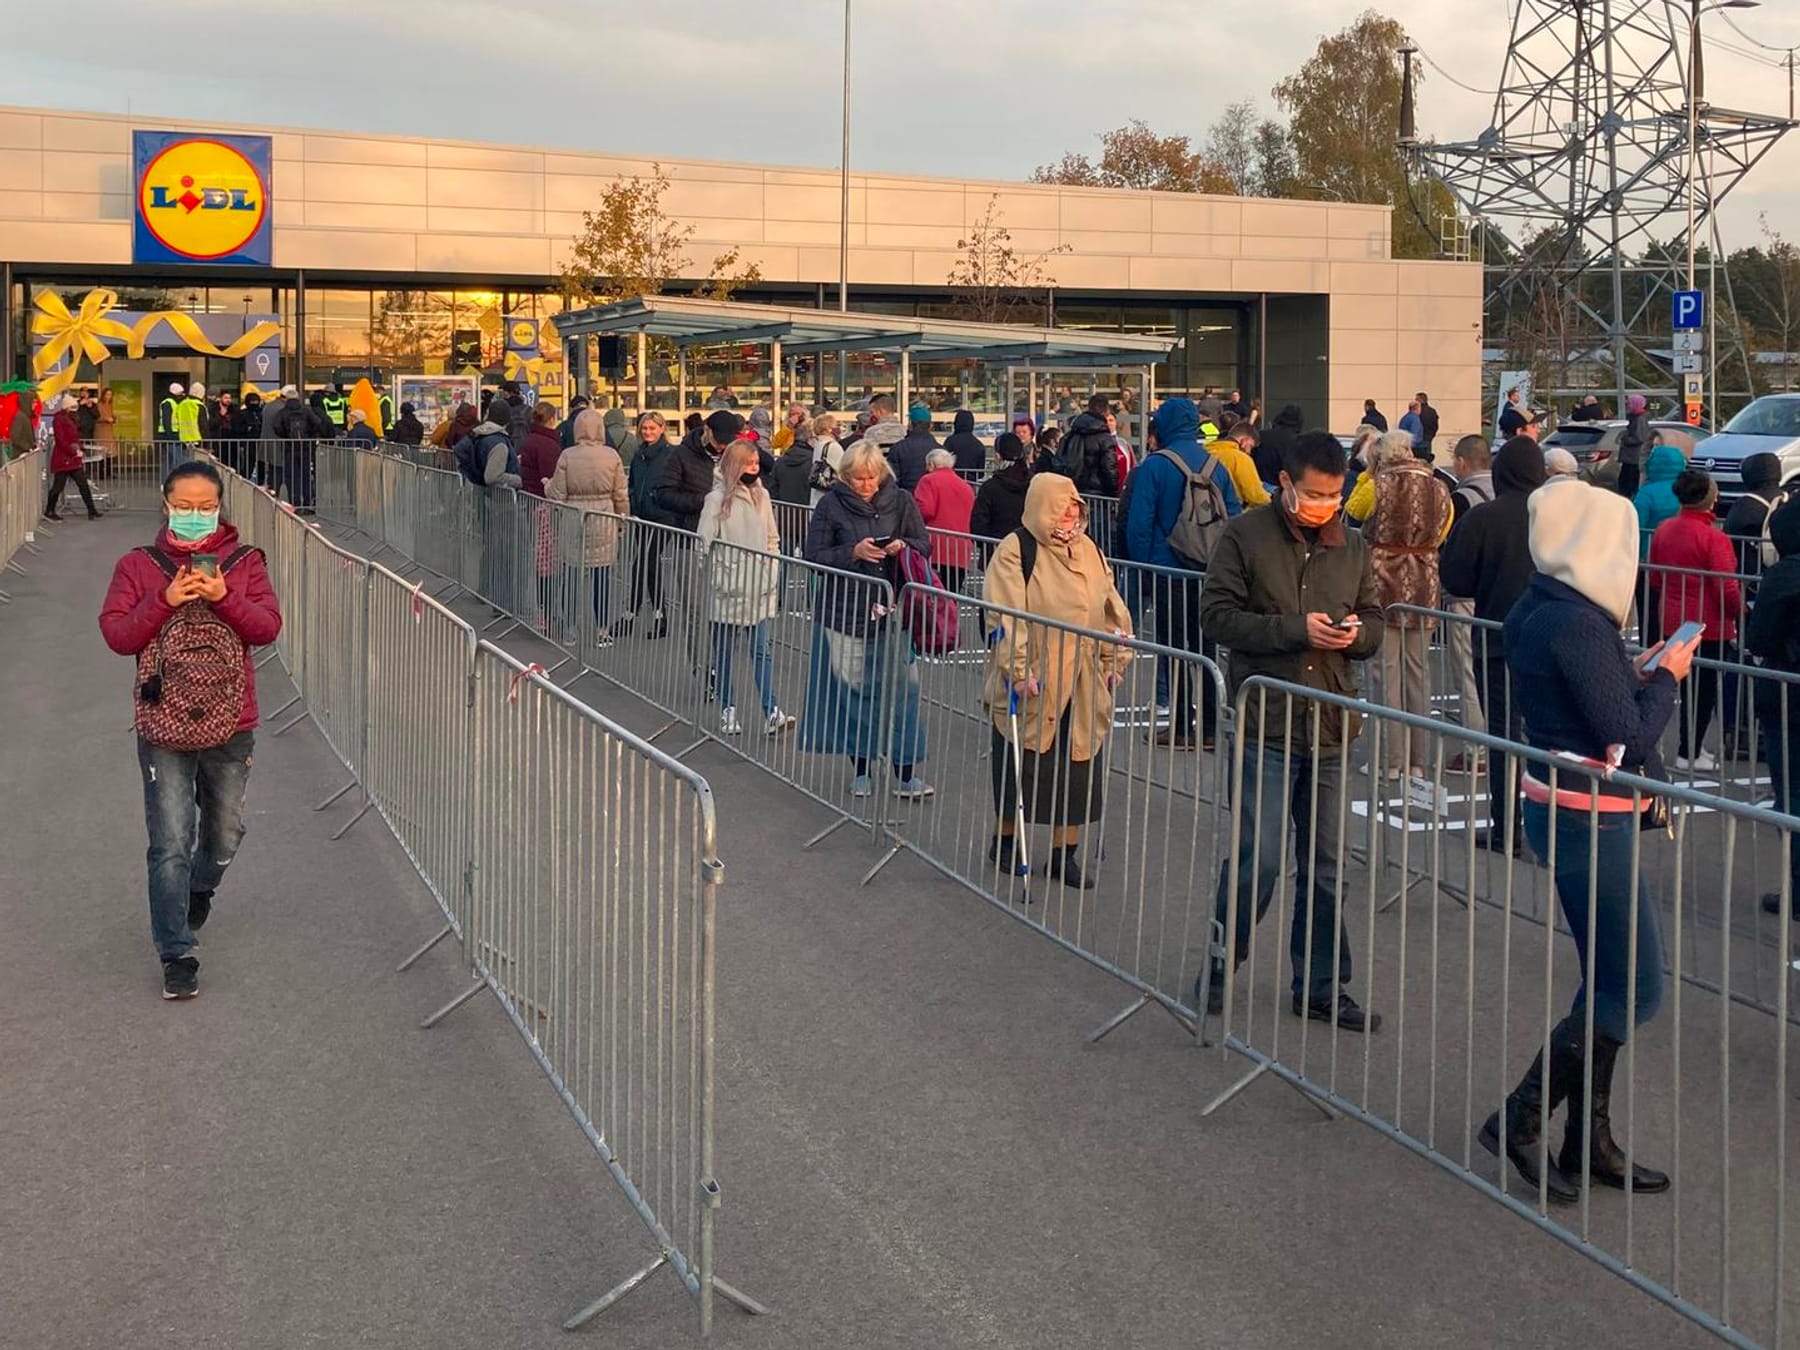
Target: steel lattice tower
1585 156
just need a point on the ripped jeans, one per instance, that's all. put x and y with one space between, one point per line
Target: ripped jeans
194 814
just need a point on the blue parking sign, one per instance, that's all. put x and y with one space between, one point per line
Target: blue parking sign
1689 309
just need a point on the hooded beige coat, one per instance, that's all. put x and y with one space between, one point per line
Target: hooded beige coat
1071 584
590 474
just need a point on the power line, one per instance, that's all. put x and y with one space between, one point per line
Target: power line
1737 28
1425 56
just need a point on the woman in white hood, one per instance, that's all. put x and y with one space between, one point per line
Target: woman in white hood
1588 697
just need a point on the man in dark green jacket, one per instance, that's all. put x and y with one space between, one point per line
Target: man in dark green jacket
1289 594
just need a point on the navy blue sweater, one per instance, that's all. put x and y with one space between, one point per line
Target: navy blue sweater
1573 678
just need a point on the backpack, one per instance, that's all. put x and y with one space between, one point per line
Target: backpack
1202 517
471 456
190 688
1028 547
929 619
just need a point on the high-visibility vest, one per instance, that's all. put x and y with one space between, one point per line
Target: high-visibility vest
337 408
187 420
386 407
165 417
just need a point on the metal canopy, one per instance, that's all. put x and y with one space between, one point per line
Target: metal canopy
692 322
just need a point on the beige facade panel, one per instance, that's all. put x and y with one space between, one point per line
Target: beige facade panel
1444 279
809 232
489 188
1352 312
705 199
21 131
1087 209
454 155
1364 278
810 203
1211 247
1299 220
1105 241
1440 313
288 215
1373 248
351 183
102 243
503 255
921 206
1017 210
1293 277
1091 272
1218 217
914 236
85 206
1174 274
362 216
1359 348
19 205
87 135
23 170
344 250
288 181
477 220
362 151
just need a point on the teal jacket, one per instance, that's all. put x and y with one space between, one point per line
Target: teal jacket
1656 497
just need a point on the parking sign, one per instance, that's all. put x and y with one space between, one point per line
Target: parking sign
1689 309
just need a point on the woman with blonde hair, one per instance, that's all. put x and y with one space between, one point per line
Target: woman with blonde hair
590 475
1049 691
828 454
745 577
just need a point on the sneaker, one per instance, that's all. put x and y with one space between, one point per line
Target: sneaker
604 640
1700 763
1345 1014
862 786
199 909
1170 739
181 977
728 723
779 722
658 630
913 789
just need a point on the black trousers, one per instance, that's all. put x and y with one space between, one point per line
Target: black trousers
1629 475
1177 605
1503 720
61 480
646 571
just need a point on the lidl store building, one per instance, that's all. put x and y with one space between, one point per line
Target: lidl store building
133 252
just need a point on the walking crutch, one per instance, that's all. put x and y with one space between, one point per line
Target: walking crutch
1021 846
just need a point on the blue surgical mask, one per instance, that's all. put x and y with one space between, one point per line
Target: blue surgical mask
192 526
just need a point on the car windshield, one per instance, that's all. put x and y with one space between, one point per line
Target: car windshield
1574 437
1768 417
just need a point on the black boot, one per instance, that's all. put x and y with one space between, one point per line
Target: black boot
1525 1113
1607 1163
1066 868
1004 850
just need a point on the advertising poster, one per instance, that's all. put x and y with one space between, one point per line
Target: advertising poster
128 408
434 397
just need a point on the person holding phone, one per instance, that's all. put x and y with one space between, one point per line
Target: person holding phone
1588 697
191 579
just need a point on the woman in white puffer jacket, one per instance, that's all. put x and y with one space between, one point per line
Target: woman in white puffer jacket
742 547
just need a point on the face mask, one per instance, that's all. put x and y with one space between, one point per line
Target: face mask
192 526
748 480
1312 514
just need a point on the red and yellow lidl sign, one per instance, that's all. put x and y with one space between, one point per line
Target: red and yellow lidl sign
201 199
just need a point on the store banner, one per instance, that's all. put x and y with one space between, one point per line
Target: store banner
202 199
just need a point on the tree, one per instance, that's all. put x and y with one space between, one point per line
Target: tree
1133 156
1231 144
1770 290
628 248
1276 175
993 281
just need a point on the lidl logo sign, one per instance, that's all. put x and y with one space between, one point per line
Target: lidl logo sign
201 199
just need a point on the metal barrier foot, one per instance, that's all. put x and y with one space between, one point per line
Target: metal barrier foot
619 1291
827 832
453 1005
334 796
740 1298
436 938
1190 1025
651 739
886 858
349 824
1264 1066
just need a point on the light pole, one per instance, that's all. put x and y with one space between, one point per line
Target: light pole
844 216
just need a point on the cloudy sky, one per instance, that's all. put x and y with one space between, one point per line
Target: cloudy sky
986 89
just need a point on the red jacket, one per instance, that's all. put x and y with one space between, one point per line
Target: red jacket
65 452
1694 541
135 611
946 502
537 459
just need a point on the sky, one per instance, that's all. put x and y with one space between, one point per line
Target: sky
976 88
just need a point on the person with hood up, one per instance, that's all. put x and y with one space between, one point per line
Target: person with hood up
1488 558
1090 450
645 473
1772 636
588 476
908 454
566 432
858 527
66 461
1000 502
1159 493
1278 439
1655 499
946 504
1747 521
619 434
1588 697
409 430
688 476
271 451
1699 586
486 454
965 445
193 798
1634 445
1061 688
744 583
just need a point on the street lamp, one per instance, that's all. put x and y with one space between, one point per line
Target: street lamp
844 216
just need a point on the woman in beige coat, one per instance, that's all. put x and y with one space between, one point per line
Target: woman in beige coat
591 475
1060 683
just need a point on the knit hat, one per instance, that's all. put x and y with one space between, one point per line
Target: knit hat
724 425
1634 403
176 390
1009 447
1586 538
918 413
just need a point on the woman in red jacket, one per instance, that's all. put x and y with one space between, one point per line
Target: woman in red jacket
194 798
1692 545
945 504
66 461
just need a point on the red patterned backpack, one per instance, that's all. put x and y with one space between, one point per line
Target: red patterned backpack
929 619
190 688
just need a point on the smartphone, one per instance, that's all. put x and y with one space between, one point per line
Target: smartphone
1349 623
882 541
207 564
1684 634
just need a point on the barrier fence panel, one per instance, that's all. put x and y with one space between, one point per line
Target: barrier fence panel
595 882
21 482
333 672
1470 993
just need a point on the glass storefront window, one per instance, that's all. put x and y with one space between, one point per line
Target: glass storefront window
337 332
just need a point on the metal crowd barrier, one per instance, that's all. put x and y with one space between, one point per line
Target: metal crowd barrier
21 482
575 864
1470 992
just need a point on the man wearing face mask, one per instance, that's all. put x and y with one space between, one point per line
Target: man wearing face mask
1265 561
689 474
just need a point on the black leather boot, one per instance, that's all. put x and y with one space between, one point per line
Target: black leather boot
1607 1163
1064 866
1525 1112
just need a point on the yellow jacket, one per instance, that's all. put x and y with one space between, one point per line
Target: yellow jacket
1242 469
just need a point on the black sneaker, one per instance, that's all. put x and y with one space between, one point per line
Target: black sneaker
1346 1014
181 977
1771 904
1215 991
199 909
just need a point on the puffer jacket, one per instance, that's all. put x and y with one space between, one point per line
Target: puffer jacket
838 522
646 474
971 454
1656 498
744 580
590 475
1088 449
1693 544
686 479
1000 504
65 454
1412 510
1772 634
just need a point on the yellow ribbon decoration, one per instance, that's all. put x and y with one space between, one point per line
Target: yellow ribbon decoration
529 369
84 330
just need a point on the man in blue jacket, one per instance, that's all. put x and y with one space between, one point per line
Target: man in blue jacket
1158 492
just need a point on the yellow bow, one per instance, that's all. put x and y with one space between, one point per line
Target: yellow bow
72 336
529 369
189 332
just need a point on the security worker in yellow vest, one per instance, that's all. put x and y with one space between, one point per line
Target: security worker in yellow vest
188 413
385 406
337 408
166 433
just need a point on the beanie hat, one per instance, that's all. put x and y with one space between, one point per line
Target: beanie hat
176 391
1634 403
918 413
1009 447
199 389
724 425
288 391
1586 538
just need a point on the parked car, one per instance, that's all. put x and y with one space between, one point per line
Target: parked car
1595 445
1769 424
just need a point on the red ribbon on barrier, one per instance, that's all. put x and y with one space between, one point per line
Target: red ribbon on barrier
512 688
418 604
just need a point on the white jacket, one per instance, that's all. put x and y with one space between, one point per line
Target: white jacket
744 580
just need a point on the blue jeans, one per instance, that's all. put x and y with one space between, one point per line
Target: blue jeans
1290 787
726 636
1604 852
1777 746
194 814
